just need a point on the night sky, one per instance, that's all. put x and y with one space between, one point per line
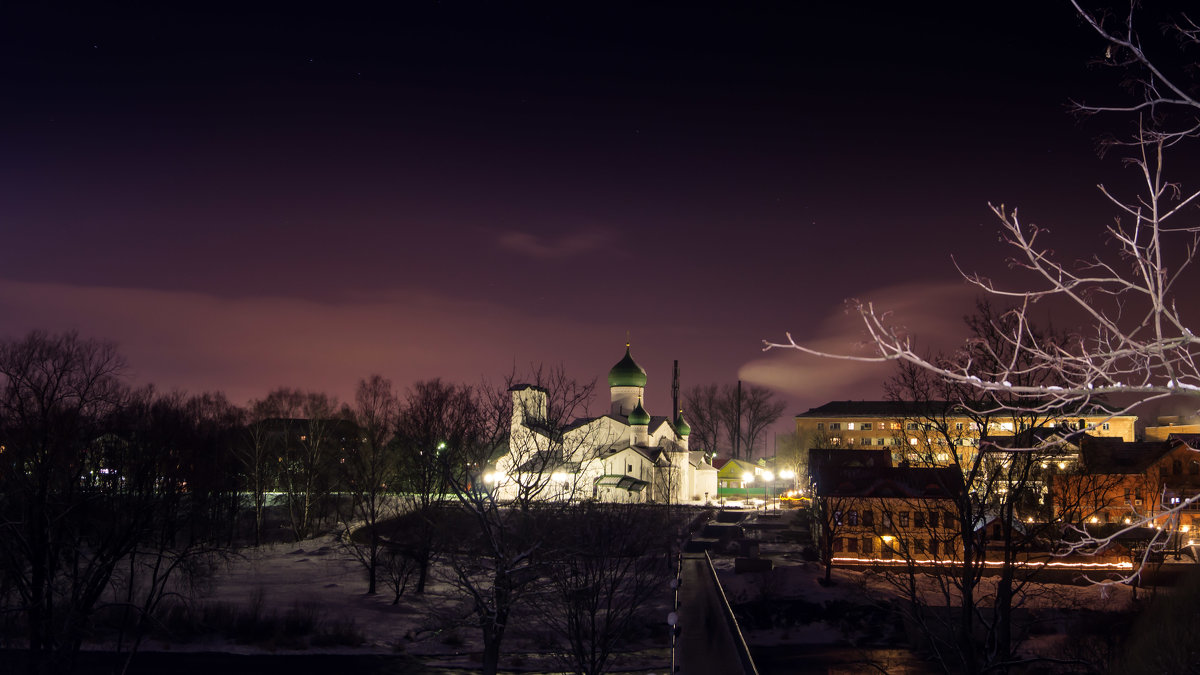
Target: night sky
308 194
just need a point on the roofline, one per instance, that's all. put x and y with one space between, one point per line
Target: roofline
523 387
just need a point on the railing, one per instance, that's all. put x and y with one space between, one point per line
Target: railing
743 651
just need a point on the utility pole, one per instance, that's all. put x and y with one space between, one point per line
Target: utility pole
737 424
675 393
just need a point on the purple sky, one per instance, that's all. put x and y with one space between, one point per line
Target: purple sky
247 199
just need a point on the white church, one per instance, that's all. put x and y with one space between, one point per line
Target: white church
626 455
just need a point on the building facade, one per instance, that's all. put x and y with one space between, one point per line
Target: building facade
923 433
625 455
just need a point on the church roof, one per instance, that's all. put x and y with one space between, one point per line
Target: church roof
681 426
639 414
627 373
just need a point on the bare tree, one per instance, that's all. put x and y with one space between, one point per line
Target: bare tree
1003 515
1136 343
188 440
704 410
831 512
731 417
439 423
607 565
496 561
759 410
256 455
370 471
312 447
67 515
550 437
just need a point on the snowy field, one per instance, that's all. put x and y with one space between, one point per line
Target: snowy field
318 580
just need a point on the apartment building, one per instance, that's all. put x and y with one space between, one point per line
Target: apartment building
922 432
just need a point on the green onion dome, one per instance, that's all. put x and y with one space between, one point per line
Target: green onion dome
681 425
639 415
627 373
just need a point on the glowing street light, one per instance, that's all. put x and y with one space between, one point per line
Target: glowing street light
747 479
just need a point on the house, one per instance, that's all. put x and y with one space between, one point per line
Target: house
1118 482
875 511
733 475
625 455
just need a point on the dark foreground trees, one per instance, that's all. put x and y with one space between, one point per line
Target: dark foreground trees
101 489
609 561
70 508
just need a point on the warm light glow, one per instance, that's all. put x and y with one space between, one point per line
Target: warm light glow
1127 521
1094 520
558 477
991 563
786 474
887 538
768 476
747 477
1184 528
1062 465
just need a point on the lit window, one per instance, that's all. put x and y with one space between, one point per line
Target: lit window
850 426
912 441
1006 426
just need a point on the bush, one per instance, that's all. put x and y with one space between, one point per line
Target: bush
300 620
343 633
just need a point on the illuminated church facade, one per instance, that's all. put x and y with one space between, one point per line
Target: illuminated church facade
625 455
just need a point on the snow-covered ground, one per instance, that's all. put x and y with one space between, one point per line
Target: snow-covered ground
318 578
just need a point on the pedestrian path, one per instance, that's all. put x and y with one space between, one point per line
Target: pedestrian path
708 641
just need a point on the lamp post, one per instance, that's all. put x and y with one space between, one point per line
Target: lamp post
770 478
747 479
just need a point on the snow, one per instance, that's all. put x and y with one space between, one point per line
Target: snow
319 576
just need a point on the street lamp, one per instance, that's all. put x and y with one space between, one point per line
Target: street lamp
747 479
770 478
